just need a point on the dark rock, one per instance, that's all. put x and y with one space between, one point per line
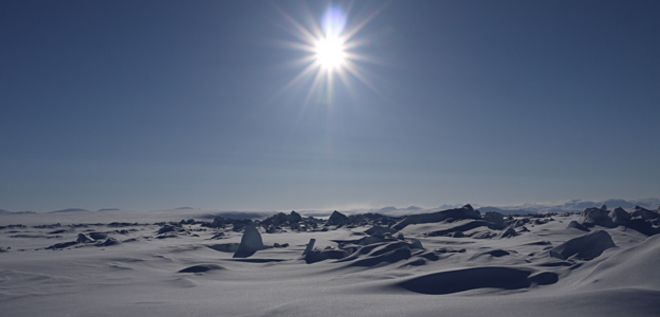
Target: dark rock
363 241
544 278
273 229
643 226
585 247
393 246
167 235
619 216
401 253
496 219
218 222
337 219
461 228
483 234
314 256
379 231
310 246
541 221
251 242
417 262
520 222
48 226
644 213
457 234
83 238
431 256
167 228
449 250
217 236
121 224
224 247
108 242
543 242
510 232
597 216
187 222
277 219
465 212
201 268
498 253
577 225
281 219
372 219
294 217
62 245
99 235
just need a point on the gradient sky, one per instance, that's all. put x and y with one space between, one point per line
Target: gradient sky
159 104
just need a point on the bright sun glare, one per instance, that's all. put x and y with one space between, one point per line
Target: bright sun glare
329 52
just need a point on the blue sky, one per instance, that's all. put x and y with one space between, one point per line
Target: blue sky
158 104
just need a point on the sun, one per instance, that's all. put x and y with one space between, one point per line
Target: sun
330 52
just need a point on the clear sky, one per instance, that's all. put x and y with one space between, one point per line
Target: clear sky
158 104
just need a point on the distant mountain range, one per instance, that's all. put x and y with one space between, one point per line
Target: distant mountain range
69 210
3 211
575 205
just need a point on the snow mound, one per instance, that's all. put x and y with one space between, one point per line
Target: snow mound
635 267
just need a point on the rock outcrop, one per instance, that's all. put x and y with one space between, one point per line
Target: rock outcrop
642 220
644 213
509 232
619 216
337 219
495 218
597 216
251 242
585 247
281 219
577 225
83 238
465 212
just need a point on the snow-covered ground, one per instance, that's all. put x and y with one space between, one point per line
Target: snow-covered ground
485 270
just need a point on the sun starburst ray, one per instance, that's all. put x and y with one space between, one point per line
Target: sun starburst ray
330 50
